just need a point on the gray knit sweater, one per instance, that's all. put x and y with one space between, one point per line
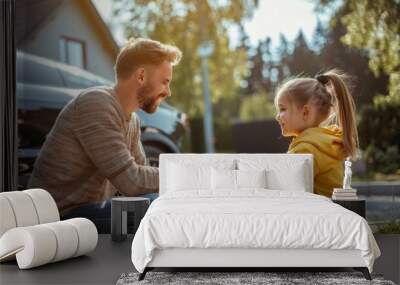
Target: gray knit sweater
93 151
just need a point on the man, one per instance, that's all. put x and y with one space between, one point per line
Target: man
94 151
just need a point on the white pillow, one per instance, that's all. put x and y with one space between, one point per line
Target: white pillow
281 174
193 174
251 178
182 177
293 180
223 179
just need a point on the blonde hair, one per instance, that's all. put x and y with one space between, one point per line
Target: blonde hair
140 51
330 93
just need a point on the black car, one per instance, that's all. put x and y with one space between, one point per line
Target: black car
45 86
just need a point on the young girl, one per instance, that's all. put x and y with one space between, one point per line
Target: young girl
320 114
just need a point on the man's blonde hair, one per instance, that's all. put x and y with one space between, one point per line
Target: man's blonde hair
140 51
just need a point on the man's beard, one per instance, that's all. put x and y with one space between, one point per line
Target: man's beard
146 103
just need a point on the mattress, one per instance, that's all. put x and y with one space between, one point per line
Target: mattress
250 219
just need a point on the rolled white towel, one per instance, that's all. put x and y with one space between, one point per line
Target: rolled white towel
87 235
7 218
46 207
67 240
40 244
33 246
23 209
26 208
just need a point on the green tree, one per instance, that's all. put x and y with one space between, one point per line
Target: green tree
373 26
303 60
261 68
282 64
379 134
354 61
319 37
257 107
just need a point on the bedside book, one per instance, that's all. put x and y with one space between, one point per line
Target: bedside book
341 190
344 198
344 194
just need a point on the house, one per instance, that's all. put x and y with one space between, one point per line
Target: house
70 31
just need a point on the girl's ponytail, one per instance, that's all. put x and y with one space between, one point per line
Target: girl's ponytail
345 110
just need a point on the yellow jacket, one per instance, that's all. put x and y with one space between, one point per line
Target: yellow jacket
325 143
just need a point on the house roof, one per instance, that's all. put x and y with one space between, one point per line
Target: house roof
31 15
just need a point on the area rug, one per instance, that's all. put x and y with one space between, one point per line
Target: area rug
242 278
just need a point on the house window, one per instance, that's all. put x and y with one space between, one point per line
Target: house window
73 52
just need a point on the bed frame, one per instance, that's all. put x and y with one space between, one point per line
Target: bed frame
242 259
246 259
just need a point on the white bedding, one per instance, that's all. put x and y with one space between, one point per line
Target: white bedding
250 219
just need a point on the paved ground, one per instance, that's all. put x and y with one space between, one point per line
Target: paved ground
110 259
102 266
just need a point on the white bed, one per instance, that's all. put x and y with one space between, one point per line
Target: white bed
247 210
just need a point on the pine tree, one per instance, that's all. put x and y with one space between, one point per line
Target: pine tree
303 61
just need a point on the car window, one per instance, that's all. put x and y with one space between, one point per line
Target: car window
80 79
38 107
74 81
35 71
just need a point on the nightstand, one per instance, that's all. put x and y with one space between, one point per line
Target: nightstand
356 205
120 206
